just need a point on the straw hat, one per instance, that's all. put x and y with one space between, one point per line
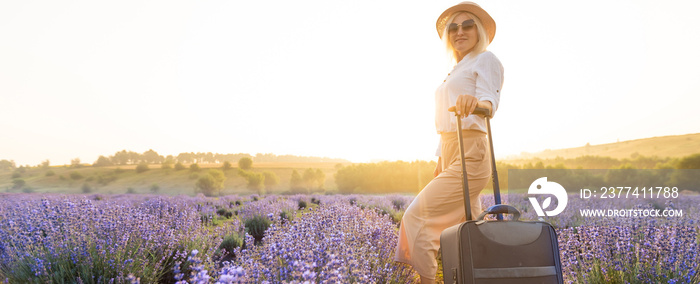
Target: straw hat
471 7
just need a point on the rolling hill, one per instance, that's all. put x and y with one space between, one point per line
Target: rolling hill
674 146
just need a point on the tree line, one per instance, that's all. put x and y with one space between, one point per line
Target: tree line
636 161
125 157
152 157
605 171
402 176
384 177
211 183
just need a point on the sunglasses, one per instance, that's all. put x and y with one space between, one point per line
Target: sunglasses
466 25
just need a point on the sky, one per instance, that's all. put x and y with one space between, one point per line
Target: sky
329 78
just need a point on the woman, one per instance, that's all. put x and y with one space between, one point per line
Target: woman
476 80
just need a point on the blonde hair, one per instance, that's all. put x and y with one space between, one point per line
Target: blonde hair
480 45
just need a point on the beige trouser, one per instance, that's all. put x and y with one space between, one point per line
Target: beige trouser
441 203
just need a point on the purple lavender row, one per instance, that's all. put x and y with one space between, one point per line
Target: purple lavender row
314 239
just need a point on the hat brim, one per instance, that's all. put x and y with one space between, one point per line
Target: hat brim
471 7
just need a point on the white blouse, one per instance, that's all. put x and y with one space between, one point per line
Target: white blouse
479 75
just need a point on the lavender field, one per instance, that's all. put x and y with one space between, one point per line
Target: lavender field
298 239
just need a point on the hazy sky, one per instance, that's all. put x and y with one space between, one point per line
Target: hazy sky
343 79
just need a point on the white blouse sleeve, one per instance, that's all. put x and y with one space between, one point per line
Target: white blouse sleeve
489 79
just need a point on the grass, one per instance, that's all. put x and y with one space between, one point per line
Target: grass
117 180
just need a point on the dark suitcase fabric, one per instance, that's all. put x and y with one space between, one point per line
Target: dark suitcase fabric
488 252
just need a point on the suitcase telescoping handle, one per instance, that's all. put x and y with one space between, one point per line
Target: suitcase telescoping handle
465 184
500 209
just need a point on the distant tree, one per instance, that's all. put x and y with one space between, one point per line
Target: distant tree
75 163
74 175
185 157
271 179
6 165
155 188
309 178
168 162
268 157
539 165
142 167
218 175
211 183
206 185
320 179
102 161
106 179
588 162
690 162
296 183
120 158
208 157
314 179
245 163
46 164
152 157
194 168
256 182
134 157
227 165
18 183
179 166
626 174
347 178
686 177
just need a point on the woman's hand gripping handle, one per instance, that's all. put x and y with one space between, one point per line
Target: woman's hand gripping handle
482 108
468 104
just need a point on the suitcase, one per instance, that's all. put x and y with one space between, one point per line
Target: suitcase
498 251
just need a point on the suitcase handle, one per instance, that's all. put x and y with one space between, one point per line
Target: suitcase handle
500 209
465 181
496 185
477 111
